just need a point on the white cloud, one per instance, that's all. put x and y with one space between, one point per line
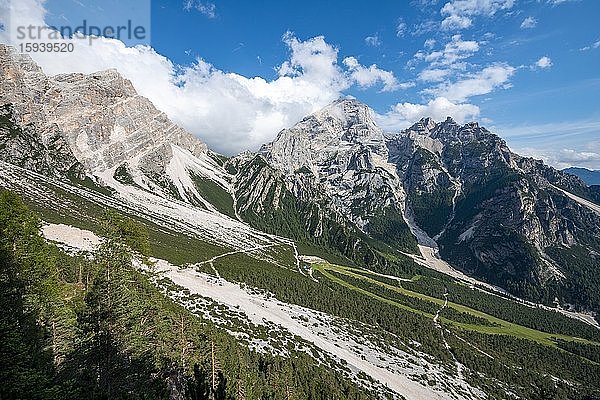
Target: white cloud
573 156
313 60
425 27
373 41
563 158
401 28
458 13
482 82
561 144
594 45
528 23
454 22
434 75
206 8
370 76
454 51
558 2
429 43
403 115
475 7
544 62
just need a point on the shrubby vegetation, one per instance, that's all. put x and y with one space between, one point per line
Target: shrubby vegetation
80 328
527 369
431 208
509 310
589 351
581 265
214 194
482 353
75 328
332 298
413 302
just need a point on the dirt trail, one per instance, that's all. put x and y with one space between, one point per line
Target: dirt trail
459 366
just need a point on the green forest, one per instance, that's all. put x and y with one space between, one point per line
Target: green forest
75 327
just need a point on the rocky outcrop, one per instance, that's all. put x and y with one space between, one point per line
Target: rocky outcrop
100 116
339 157
491 212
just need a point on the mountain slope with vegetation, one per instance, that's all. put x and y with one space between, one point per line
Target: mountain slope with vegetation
309 270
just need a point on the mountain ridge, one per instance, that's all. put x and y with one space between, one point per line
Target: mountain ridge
589 176
448 187
336 222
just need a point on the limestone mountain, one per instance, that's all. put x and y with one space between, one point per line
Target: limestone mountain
459 190
339 261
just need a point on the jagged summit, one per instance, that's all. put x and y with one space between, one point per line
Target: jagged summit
10 56
101 116
107 82
337 130
348 111
347 117
423 126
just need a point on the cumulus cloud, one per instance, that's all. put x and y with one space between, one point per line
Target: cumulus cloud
563 158
429 43
544 62
572 157
205 8
369 76
434 75
313 60
458 13
475 84
229 111
454 51
401 28
528 23
456 22
403 115
373 41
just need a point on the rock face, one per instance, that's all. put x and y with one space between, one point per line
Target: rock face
99 116
492 213
28 135
48 154
339 157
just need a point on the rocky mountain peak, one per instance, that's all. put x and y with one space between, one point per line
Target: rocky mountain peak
100 115
348 112
106 83
347 120
423 126
332 134
449 121
11 59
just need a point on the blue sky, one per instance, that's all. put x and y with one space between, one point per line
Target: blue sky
241 32
526 69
